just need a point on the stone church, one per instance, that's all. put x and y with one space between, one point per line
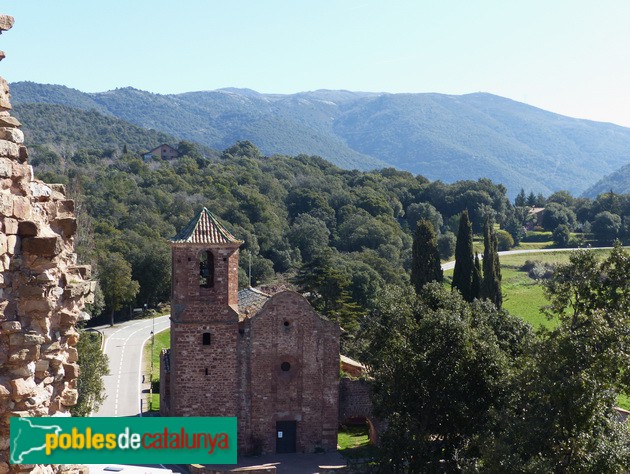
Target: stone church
271 361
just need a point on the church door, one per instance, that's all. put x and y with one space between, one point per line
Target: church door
286 434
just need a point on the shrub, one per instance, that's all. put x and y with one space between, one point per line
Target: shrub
504 240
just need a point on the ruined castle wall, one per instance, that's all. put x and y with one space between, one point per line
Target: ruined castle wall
42 289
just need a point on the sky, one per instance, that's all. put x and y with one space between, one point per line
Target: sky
567 56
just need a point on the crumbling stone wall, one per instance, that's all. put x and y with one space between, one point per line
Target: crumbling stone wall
355 402
42 289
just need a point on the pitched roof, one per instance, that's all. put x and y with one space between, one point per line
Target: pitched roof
205 228
250 300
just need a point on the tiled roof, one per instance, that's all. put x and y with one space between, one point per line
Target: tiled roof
205 228
250 300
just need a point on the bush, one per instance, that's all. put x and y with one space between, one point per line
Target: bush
561 235
504 240
541 271
446 245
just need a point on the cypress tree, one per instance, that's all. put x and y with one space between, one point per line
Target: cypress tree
475 288
425 257
464 260
491 284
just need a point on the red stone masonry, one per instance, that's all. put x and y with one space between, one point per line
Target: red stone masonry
280 365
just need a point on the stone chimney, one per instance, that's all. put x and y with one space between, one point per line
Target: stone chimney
42 289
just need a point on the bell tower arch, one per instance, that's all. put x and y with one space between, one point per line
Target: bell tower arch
204 319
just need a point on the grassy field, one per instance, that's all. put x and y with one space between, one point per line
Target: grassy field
354 443
524 297
162 341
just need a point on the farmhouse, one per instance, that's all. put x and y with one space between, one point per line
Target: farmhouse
164 152
274 364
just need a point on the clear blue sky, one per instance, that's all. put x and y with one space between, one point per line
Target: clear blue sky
567 56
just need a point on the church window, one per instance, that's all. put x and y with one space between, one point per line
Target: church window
206 339
285 366
206 269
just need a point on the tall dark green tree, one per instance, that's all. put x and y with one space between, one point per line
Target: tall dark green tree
491 283
328 291
94 366
464 259
520 200
425 257
476 278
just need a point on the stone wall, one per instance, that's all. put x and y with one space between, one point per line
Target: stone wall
355 403
42 289
203 376
289 371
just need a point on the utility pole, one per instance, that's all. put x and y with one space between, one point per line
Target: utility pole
250 269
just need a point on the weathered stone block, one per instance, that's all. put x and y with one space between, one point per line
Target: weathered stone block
77 289
47 276
23 154
8 149
6 168
73 354
6 22
67 226
9 327
42 365
72 371
83 272
13 244
5 103
12 134
21 171
6 204
44 246
28 229
10 226
69 397
23 388
3 244
41 191
21 208
7 121
59 188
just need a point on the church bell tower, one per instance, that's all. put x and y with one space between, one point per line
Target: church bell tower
204 319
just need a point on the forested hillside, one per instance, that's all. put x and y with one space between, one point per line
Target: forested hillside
65 130
618 182
440 136
288 210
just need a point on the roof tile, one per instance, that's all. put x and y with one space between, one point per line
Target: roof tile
205 228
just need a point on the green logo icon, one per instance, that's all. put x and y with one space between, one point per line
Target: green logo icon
188 440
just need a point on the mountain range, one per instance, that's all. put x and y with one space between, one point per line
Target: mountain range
442 137
618 182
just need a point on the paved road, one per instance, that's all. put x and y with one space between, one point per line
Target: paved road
451 265
123 346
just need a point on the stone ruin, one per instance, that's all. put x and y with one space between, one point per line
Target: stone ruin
42 290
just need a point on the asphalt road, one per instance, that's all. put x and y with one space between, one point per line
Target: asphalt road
451 265
123 345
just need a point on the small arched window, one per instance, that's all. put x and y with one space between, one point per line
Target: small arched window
206 269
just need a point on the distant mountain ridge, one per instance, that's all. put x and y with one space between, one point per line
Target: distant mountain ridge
617 182
440 136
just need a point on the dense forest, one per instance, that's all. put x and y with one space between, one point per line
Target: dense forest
465 386
292 211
